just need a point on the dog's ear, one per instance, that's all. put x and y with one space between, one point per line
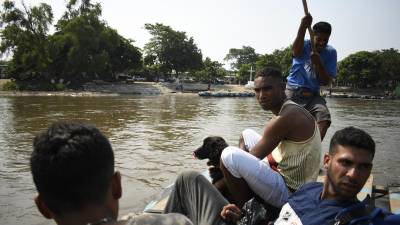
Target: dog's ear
221 144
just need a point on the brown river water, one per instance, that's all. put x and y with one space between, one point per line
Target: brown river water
153 138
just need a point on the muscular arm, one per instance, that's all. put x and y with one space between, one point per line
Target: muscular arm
276 130
298 43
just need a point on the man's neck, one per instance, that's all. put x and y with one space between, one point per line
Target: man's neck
329 194
97 216
278 108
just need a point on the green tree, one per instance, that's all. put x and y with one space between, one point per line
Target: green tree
24 36
280 59
211 71
85 48
241 56
360 69
390 59
170 50
244 73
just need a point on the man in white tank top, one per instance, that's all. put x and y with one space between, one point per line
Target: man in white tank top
294 134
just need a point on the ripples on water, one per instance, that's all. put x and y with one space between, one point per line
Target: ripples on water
153 138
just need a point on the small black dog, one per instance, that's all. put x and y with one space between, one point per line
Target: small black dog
212 149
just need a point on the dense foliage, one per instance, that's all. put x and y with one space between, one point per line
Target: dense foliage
246 59
84 48
24 35
211 72
170 50
370 69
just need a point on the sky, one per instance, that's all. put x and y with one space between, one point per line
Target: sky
265 25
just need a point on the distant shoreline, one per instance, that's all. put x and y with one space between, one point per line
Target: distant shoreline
152 88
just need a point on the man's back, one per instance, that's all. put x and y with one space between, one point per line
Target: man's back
300 152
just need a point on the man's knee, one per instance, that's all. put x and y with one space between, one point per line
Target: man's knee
227 155
230 161
186 177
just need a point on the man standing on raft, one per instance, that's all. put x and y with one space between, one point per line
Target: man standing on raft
312 66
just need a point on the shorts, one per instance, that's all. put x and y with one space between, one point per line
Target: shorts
312 102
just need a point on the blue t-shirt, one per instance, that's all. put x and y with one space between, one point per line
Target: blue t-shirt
301 73
311 209
305 207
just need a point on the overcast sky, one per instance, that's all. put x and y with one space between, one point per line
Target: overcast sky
265 25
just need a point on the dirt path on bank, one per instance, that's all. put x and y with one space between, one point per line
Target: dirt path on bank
118 88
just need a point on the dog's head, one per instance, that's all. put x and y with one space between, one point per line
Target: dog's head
211 149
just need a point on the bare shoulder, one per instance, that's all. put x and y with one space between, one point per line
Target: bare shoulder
299 121
293 111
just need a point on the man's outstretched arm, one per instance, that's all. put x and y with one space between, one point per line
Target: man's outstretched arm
298 43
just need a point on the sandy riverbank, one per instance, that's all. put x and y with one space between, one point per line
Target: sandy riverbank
137 88
153 88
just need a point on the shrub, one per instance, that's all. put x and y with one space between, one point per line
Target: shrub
60 87
10 86
397 91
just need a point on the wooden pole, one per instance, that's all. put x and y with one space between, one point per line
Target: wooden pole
310 31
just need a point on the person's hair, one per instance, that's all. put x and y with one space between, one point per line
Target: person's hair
322 27
270 72
352 137
72 165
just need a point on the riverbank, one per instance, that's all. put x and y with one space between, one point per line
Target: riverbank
157 88
137 88
367 93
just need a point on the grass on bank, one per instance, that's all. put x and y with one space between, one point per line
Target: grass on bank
397 91
12 85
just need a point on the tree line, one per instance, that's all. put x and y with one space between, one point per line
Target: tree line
84 48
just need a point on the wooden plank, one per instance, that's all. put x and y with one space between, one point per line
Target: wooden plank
157 206
394 199
321 178
367 189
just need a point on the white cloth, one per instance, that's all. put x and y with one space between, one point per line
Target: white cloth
251 138
265 182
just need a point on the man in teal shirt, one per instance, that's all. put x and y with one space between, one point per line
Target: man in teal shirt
312 67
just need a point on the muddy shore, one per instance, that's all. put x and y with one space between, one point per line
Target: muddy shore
153 88
137 88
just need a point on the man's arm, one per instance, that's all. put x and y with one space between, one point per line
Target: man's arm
276 130
298 43
322 75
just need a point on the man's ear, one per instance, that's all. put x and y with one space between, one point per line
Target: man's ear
42 207
116 187
327 160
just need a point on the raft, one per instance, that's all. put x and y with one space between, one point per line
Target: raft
226 94
387 198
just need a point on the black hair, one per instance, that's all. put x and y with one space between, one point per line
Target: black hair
322 27
72 165
352 137
270 72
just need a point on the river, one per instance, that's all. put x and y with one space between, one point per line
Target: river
153 138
